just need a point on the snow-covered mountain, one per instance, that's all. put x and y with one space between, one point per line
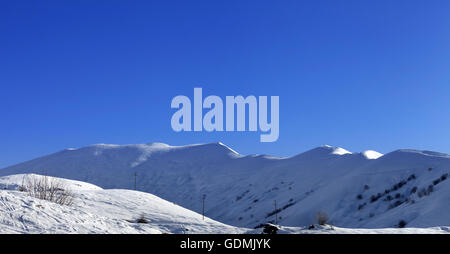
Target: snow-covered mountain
356 190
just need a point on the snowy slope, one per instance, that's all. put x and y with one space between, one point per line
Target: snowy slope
97 211
328 229
242 190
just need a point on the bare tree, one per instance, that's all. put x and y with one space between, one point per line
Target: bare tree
46 188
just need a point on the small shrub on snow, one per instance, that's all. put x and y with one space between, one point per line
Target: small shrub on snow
402 224
142 219
22 188
411 177
361 206
422 192
374 198
437 181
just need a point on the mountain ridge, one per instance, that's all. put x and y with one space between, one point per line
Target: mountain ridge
241 189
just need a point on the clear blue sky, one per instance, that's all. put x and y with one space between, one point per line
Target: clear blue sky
357 74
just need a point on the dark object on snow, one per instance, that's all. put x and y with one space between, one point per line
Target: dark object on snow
270 229
411 177
311 227
374 198
142 219
437 181
361 206
401 224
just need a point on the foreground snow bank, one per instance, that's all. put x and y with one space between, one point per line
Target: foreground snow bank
97 211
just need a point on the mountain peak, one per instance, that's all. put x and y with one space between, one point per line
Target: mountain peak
340 151
371 154
215 146
333 150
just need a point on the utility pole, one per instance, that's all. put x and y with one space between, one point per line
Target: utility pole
276 213
135 174
203 209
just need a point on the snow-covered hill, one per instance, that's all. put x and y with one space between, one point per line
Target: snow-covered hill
356 190
96 210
